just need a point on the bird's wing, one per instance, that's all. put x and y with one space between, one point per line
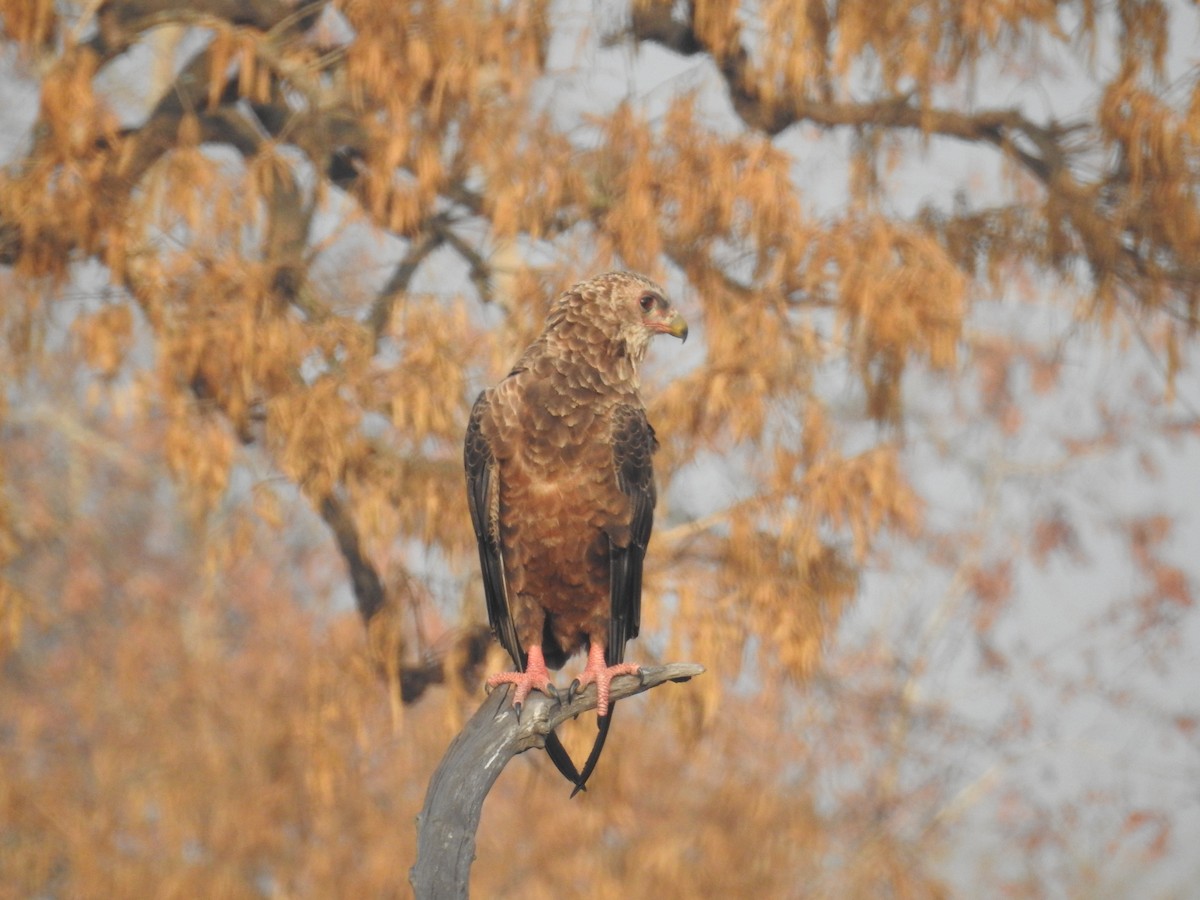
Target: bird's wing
633 446
483 493
483 497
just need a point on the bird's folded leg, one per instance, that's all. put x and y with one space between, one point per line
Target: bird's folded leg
536 677
602 675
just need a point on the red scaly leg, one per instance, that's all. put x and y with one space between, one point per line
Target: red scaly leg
536 677
602 675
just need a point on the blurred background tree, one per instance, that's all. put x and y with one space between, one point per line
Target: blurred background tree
928 473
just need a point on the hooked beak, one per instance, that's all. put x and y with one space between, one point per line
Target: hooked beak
677 326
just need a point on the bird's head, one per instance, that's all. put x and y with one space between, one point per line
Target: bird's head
630 308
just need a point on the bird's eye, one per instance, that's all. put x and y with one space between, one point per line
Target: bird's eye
647 302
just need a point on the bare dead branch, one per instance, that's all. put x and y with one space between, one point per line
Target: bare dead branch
481 272
368 588
120 25
425 242
454 800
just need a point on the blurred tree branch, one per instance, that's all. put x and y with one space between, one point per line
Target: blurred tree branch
1115 229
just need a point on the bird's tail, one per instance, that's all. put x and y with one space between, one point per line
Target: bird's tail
602 722
562 761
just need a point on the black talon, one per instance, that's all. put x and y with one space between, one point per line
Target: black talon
574 691
517 707
552 693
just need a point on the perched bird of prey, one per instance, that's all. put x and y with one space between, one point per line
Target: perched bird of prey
561 489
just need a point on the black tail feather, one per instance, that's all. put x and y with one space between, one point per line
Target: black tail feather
562 761
602 722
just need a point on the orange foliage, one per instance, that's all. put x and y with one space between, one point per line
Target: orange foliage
336 221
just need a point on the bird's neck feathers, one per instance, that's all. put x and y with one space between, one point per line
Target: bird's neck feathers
581 341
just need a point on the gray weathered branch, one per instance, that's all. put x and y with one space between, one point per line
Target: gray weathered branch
454 801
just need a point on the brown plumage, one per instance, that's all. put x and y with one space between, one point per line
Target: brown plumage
561 490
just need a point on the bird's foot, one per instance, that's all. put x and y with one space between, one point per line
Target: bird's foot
596 671
536 677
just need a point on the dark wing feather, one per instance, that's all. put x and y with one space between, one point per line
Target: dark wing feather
633 446
482 497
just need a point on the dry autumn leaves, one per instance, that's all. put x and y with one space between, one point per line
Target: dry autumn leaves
256 260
